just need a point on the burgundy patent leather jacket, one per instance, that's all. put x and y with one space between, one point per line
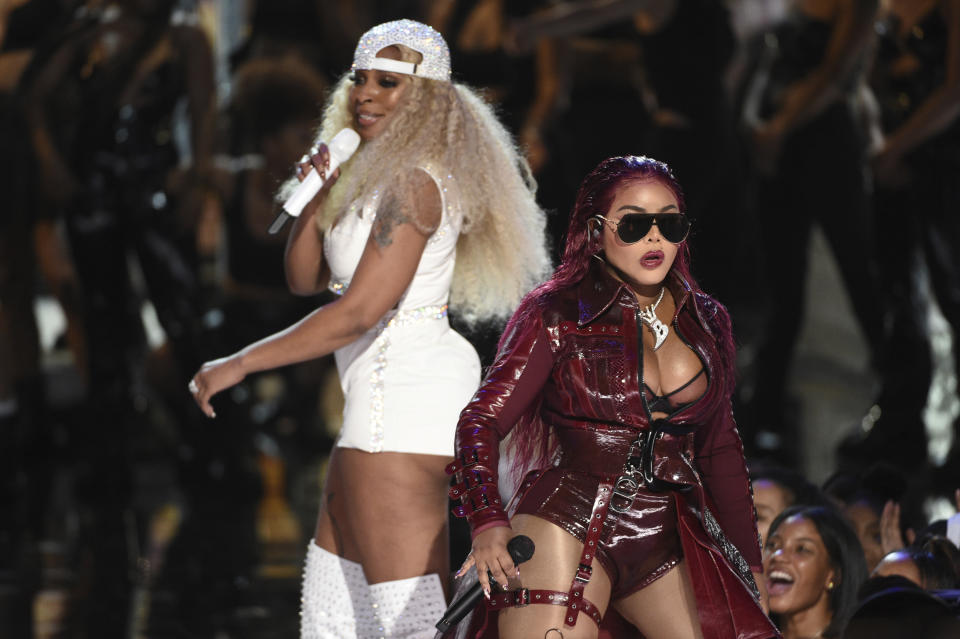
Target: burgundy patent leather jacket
576 364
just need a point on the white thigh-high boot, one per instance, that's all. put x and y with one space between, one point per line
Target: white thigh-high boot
335 592
404 609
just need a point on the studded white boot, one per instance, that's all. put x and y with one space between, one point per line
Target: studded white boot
335 592
404 609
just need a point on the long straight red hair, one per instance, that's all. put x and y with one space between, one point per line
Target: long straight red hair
532 443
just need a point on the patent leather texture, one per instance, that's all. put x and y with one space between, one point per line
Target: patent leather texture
574 365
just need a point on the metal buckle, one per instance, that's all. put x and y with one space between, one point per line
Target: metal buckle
625 488
584 573
465 458
473 502
521 597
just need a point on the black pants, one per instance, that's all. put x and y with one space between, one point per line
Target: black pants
917 226
820 180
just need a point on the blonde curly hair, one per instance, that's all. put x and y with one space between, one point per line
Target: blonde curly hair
501 251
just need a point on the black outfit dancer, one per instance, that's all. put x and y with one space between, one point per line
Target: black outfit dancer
685 61
103 108
916 203
818 177
682 51
597 112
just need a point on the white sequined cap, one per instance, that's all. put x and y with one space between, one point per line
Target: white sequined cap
421 38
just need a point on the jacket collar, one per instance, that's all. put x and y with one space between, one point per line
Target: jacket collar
598 290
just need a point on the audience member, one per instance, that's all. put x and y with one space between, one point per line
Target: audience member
881 505
894 607
814 566
776 488
934 565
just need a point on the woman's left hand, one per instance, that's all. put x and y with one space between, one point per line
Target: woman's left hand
214 377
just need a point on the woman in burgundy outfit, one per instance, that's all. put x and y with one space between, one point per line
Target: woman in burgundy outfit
612 390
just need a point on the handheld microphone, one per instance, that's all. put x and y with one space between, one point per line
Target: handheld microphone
520 549
341 147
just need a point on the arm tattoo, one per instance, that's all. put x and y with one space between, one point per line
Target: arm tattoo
388 218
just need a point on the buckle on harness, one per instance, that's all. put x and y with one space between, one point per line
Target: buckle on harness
584 572
520 597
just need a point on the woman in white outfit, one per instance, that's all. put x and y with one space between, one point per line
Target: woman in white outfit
431 209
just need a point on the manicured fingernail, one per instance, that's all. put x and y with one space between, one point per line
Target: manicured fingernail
486 593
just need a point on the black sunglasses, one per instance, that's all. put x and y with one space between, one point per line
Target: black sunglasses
633 227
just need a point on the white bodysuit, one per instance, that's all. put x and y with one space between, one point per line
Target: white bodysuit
406 380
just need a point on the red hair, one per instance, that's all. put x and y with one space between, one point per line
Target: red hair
532 442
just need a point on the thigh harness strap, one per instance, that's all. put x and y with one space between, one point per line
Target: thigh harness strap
573 599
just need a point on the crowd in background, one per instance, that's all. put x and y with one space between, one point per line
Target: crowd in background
142 145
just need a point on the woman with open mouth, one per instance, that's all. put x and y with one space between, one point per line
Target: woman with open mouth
814 566
611 392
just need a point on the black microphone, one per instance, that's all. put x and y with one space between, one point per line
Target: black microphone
520 549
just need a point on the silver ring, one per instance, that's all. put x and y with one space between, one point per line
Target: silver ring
192 387
314 151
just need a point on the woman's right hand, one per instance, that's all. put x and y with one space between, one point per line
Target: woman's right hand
490 554
317 159
214 377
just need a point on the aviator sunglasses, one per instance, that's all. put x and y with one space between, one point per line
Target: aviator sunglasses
633 227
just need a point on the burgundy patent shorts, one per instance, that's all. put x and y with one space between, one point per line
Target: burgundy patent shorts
636 546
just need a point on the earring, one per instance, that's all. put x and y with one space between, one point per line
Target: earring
830 586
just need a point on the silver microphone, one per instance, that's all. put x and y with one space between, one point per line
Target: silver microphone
341 147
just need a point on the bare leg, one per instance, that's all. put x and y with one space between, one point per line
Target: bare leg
380 552
387 511
552 567
666 609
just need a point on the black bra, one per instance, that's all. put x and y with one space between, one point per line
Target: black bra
662 404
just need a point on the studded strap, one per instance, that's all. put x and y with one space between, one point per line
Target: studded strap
525 596
585 569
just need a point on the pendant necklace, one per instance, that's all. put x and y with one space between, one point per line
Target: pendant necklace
649 317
